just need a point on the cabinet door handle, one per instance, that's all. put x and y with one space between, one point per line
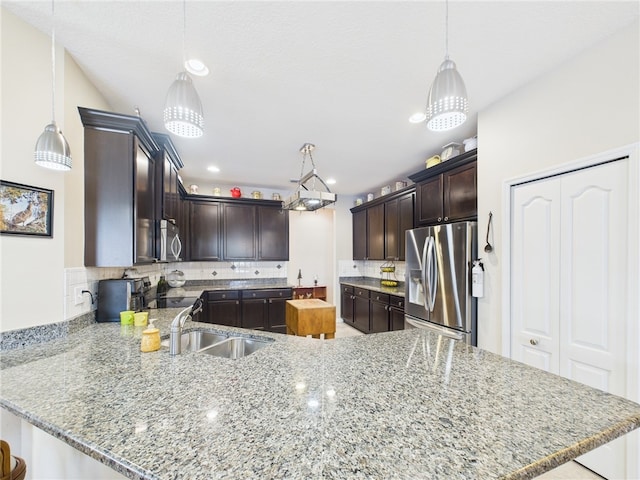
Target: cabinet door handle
400 304
446 218
439 219
533 341
237 302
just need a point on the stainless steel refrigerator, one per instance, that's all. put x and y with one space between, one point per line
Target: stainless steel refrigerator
438 280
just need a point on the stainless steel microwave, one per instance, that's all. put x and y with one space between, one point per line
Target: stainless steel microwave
170 243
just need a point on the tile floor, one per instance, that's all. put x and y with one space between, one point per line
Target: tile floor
568 471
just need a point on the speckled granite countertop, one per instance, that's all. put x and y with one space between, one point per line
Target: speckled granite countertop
373 284
405 404
193 289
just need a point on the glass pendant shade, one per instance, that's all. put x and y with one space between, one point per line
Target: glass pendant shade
183 109
52 150
447 105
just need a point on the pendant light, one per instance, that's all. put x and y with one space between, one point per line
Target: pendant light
306 197
52 150
447 104
183 109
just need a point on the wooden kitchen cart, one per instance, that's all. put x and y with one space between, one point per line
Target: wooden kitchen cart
311 317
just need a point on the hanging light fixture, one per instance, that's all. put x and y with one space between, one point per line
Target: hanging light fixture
52 150
447 104
183 109
306 197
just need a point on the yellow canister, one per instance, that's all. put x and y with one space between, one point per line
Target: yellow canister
140 319
126 317
150 338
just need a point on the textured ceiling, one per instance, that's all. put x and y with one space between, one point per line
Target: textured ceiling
342 75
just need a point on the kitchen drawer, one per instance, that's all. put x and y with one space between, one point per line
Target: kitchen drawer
361 292
348 289
395 301
213 296
380 297
286 293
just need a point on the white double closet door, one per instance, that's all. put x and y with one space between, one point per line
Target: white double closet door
569 275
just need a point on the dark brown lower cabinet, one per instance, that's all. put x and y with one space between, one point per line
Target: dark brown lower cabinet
379 312
222 308
396 313
346 303
254 313
265 309
371 311
361 310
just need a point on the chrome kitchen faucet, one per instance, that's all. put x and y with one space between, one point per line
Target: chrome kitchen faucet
175 339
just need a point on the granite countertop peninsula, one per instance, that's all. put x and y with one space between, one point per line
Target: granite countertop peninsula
371 283
404 404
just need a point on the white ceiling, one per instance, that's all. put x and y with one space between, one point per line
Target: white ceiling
345 76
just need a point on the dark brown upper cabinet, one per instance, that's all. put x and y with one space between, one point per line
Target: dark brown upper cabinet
379 226
247 229
375 232
120 190
359 220
447 192
168 165
273 233
204 231
398 218
240 232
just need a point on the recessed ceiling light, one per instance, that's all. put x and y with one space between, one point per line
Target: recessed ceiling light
197 67
213 169
331 181
418 117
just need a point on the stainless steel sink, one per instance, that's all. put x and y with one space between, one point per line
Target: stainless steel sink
219 344
196 340
236 347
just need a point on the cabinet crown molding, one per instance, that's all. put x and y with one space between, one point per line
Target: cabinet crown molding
457 161
120 123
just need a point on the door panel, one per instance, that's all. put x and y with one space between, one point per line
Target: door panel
593 288
569 284
536 357
535 250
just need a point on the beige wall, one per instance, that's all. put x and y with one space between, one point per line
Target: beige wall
589 105
32 269
311 248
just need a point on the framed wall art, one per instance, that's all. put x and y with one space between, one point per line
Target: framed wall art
25 210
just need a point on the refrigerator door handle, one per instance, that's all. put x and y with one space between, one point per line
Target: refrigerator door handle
425 280
444 331
430 270
433 274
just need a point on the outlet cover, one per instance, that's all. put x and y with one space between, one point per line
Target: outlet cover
77 296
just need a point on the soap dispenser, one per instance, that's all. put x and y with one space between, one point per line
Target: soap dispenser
150 338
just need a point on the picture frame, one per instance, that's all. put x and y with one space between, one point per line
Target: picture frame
25 210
